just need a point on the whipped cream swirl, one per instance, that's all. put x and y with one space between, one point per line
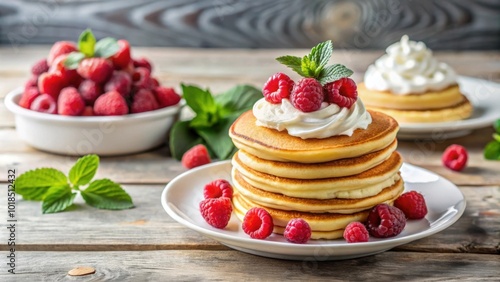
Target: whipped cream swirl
409 68
329 120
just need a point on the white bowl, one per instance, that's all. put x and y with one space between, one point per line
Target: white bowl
105 136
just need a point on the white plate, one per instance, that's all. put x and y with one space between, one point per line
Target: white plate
485 97
182 195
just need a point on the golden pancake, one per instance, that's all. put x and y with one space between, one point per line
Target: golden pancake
445 98
365 184
271 144
283 202
337 168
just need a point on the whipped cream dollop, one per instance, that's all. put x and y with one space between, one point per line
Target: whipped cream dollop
408 67
329 120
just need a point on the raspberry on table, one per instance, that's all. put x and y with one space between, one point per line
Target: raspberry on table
356 232
96 69
166 96
59 48
297 231
258 223
216 211
28 96
385 221
277 87
90 90
110 104
455 157
51 83
143 101
121 82
218 188
44 103
412 204
121 59
70 103
307 95
196 156
142 63
342 92
40 67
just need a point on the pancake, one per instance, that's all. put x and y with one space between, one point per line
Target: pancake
459 112
365 184
337 168
271 144
445 98
283 202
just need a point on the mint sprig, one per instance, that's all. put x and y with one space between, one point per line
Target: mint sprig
88 47
214 114
315 63
57 192
492 149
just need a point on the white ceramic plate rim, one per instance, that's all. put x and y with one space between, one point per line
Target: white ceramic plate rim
300 250
467 124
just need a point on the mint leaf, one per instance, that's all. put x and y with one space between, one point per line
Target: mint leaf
182 138
293 62
321 54
86 43
205 119
496 136
73 59
106 194
57 199
334 72
492 151
198 100
217 138
497 126
106 47
309 67
34 184
241 97
84 170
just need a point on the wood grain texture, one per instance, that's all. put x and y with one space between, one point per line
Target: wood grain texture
256 23
236 266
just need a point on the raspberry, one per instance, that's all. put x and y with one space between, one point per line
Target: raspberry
155 82
166 96
412 204
96 69
455 157
142 78
110 104
277 87
143 63
342 92
258 223
69 77
59 48
121 82
88 111
44 104
89 91
216 211
32 82
385 221
50 83
40 67
297 231
70 103
356 232
28 96
218 188
307 95
144 101
121 59
196 156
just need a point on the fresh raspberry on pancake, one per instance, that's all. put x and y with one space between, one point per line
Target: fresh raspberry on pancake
342 92
307 95
277 87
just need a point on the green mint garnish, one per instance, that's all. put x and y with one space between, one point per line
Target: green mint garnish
58 191
213 117
315 63
492 149
88 47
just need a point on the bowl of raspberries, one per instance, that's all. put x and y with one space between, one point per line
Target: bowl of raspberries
93 97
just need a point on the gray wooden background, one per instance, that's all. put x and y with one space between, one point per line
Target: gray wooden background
357 24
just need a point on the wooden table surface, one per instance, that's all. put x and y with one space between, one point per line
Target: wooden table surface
145 244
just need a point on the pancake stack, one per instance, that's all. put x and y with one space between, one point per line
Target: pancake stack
328 182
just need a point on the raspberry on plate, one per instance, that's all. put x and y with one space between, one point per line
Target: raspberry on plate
121 59
196 156
143 101
70 103
216 211
342 92
51 83
142 63
277 87
385 221
307 95
40 67
166 96
121 82
218 188
297 231
44 103
110 104
258 223
412 204
455 157
28 96
96 69
90 91
59 48
356 232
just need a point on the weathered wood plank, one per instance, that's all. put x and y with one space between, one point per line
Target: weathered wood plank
185 265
